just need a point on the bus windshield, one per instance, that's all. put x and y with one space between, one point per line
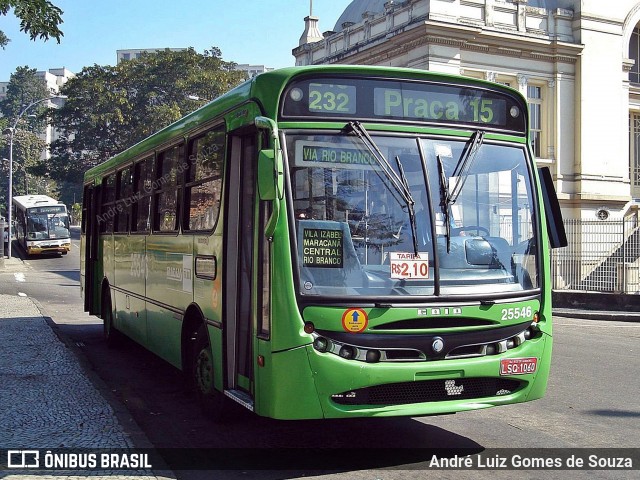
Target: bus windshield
473 227
43 226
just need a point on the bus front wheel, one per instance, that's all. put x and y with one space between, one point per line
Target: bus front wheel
211 400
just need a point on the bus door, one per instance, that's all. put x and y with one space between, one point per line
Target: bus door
240 243
91 231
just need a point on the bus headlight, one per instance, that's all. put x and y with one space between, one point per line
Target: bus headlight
347 352
321 344
372 356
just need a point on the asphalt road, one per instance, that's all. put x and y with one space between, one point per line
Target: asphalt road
592 400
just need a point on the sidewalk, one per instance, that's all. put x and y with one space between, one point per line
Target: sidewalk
13 264
46 399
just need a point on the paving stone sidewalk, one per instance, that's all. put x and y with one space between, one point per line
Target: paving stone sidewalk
46 399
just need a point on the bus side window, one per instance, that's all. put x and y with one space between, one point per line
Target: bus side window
142 178
108 207
166 196
203 183
125 190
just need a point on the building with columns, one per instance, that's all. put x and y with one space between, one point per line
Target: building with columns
577 62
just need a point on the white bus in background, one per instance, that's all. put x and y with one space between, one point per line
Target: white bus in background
41 225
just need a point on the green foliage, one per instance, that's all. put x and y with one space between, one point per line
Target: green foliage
27 148
76 213
38 18
23 89
111 108
4 124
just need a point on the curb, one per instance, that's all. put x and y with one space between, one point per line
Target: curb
612 316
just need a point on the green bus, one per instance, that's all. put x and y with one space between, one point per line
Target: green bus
331 242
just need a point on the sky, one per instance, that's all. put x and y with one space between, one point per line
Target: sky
258 32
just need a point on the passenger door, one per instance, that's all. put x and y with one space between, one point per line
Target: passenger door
240 248
89 255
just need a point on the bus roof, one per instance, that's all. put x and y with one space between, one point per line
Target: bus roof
30 201
266 89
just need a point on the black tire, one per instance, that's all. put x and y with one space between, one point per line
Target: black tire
111 336
201 369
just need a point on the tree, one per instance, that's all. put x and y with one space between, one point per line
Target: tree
108 108
27 149
38 18
24 88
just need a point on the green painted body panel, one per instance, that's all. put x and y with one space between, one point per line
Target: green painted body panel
330 318
242 116
170 283
539 387
286 388
215 337
130 308
420 130
287 329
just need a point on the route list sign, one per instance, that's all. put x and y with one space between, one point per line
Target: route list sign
322 248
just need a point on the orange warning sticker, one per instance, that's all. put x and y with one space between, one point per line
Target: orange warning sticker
355 320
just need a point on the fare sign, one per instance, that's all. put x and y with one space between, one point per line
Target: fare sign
409 266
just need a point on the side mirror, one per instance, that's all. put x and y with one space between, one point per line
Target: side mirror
270 166
270 175
267 175
555 225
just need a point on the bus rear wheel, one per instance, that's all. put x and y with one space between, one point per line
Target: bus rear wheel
111 336
212 402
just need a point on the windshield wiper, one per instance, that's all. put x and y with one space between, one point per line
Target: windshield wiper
464 164
410 205
448 198
445 204
399 183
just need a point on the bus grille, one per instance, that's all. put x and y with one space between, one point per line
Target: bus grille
427 391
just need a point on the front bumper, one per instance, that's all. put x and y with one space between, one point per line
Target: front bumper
48 248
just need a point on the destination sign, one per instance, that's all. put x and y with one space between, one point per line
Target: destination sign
327 97
321 154
47 210
322 248
416 104
406 100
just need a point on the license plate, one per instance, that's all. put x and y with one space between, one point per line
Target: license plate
518 366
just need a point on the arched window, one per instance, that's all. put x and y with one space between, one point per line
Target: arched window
634 54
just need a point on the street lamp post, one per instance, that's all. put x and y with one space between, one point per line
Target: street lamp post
12 131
